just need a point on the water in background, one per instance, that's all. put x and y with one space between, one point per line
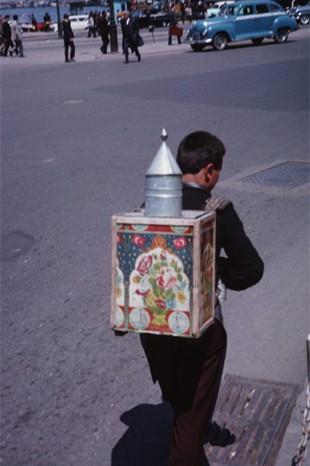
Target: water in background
38 12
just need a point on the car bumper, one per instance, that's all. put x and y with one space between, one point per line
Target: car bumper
197 39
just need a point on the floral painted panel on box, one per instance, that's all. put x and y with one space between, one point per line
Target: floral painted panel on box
207 271
153 278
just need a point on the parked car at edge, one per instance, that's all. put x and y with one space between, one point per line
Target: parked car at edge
243 20
301 14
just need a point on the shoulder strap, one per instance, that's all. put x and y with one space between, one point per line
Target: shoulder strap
216 203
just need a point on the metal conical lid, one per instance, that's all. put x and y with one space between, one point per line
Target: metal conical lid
164 162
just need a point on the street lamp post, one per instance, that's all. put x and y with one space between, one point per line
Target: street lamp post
113 28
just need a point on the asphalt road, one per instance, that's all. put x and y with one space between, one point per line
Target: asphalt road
76 142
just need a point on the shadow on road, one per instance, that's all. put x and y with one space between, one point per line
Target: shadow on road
146 441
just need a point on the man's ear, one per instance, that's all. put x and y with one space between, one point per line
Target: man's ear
209 169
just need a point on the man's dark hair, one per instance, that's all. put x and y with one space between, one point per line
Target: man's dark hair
198 149
66 16
15 17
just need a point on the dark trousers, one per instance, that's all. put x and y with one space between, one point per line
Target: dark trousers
92 31
170 39
67 44
19 49
105 42
7 44
190 382
170 35
130 45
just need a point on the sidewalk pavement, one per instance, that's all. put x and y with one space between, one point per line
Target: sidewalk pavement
50 50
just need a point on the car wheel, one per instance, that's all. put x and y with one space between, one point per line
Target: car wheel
197 47
281 35
257 41
305 19
220 41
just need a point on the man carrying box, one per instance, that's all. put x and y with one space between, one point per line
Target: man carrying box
189 371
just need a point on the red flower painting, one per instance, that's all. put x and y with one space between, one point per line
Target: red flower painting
160 303
167 278
144 264
138 241
180 243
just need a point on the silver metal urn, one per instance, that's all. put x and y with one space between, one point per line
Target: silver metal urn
163 188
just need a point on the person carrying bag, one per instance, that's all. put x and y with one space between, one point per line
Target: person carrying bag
174 29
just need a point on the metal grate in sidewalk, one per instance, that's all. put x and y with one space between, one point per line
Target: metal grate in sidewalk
257 412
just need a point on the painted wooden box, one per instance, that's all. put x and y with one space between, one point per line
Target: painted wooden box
163 273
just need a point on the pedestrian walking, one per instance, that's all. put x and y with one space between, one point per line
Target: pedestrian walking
68 37
34 22
6 35
91 25
182 11
103 28
47 22
189 371
174 29
17 39
131 36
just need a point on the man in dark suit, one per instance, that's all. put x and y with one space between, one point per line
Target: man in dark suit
189 371
103 30
130 31
68 37
7 35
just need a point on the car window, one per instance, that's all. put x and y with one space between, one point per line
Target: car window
227 10
273 7
262 8
246 10
232 10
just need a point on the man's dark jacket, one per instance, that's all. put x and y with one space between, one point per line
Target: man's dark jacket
239 269
6 30
103 28
67 32
130 31
242 267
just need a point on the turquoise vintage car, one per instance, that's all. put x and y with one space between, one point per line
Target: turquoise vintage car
301 13
244 20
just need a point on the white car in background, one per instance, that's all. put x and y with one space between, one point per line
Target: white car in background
78 22
215 9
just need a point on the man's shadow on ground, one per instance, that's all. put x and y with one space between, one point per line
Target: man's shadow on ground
147 440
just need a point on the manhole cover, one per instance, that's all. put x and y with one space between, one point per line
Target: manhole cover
286 174
257 413
15 243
